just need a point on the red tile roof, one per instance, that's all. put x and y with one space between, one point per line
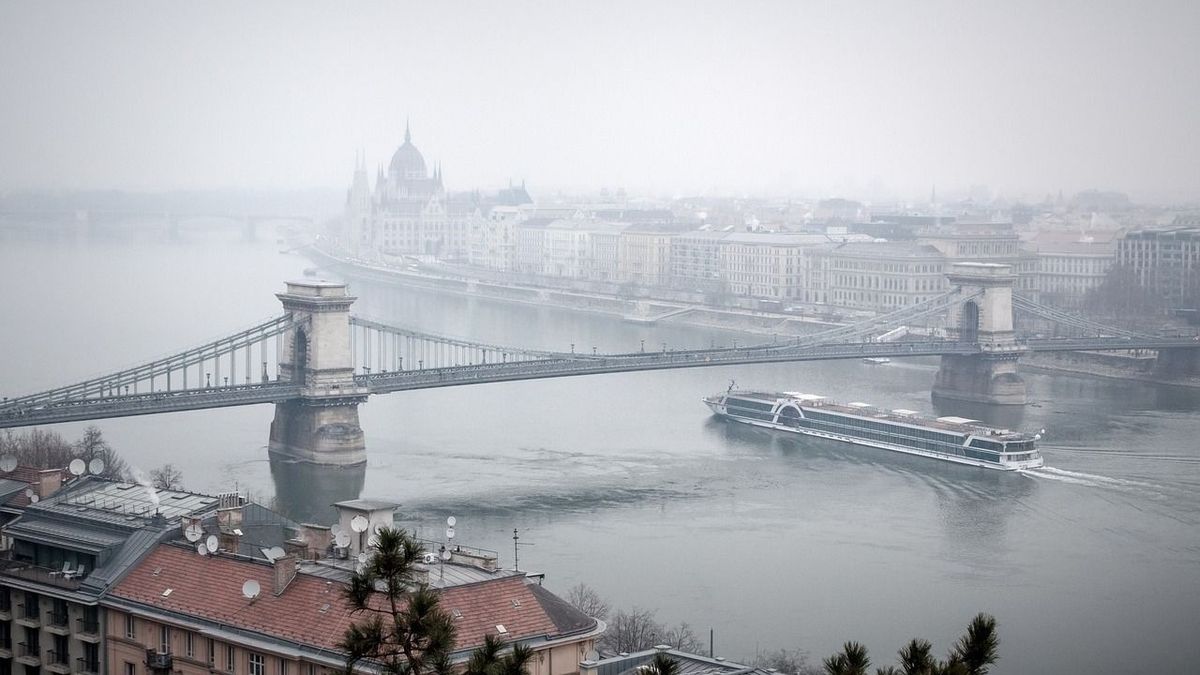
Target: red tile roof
311 610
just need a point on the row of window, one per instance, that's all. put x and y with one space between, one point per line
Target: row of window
219 656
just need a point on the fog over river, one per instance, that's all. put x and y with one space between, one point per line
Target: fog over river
627 483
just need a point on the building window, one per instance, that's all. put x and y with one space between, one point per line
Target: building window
91 657
230 664
130 627
164 639
212 653
32 608
257 664
189 646
130 669
283 668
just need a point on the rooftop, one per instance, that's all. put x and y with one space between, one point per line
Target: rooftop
689 664
312 611
126 505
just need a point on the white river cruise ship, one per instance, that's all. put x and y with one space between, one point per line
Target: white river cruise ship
952 439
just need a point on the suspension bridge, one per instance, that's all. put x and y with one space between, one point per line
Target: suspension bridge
316 362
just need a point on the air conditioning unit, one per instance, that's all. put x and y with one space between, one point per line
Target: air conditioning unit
341 552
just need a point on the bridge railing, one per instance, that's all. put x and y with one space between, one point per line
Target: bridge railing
147 403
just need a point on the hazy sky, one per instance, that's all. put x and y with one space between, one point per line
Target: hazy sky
792 96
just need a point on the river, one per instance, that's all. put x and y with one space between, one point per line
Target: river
625 482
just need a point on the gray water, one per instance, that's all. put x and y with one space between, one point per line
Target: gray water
625 482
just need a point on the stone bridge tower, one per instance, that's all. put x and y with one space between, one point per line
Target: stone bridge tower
322 425
984 317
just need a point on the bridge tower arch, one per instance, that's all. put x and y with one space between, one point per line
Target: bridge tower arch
984 318
321 425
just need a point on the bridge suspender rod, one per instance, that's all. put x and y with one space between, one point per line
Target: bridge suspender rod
116 383
1059 316
932 306
435 338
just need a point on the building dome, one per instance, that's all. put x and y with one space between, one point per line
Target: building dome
407 163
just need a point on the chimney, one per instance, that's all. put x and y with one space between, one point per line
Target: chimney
285 571
229 539
49 481
316 540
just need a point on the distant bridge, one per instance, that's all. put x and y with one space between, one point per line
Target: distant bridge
316 362
89 221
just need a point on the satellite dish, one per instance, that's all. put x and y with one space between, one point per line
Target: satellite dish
193 531
251 589
449 532
362 558
342 540
378 528
96 466
359 523
335 528
446 554
201 548
451 521
29 492
77 467
34 499
8 463
591 655
212 543
276 552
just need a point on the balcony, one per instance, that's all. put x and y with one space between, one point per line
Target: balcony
58 662
28 616
59 623
41 575
158 661
6 648
28 656
85 667
87 630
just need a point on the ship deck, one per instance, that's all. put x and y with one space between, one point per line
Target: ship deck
960 425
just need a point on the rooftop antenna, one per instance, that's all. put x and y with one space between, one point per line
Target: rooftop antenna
517 550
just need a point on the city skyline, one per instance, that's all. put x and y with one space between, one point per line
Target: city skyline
770 98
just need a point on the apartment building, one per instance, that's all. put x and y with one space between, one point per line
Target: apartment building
1165 260
882 276
185 612
65 552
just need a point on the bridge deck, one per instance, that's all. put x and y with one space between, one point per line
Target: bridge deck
21 413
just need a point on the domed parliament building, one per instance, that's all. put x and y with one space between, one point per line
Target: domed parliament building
409 212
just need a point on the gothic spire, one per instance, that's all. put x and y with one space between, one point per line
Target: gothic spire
407 133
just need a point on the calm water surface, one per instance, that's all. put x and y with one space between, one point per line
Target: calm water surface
627 483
